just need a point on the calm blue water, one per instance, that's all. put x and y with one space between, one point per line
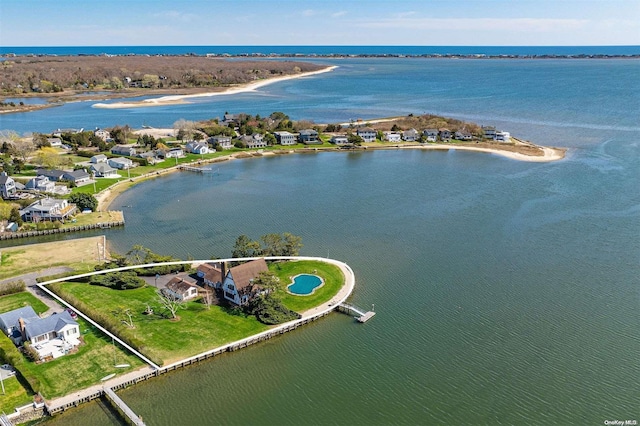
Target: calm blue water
323 50
506 292
304 284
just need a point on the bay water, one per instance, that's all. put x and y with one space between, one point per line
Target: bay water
506 292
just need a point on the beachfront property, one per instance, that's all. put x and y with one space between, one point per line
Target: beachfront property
223 141
255 140
197 147
502 137
54 175
150 157
410 135
238 285
181 288
59 132
392 137
339 140
445 135
78 177
123 150
10 322
171 153
489 132
367 134
48 209
100 158
430 135
463 135
40 184
309 137
285 138
104 170
7 186
120 163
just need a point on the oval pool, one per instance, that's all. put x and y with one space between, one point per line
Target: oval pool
304 284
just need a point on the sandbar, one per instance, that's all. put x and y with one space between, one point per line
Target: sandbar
182 99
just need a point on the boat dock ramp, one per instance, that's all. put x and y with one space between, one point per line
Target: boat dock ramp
351 310
197 169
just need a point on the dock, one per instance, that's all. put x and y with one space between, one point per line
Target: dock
197 169
351 309
122 407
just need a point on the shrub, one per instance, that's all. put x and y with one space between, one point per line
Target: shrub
118 280
12 287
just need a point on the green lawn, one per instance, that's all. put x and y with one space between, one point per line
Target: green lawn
331 274
95 359
163 340
15 395
20 300
101 183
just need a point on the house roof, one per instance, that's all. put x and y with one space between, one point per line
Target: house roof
56 174
4 179
99 157
365 130
120 160
206 267
77 174
10 319
181 285
55 322
244 274
102 168
309 132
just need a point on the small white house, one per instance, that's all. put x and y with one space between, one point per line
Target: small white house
502 137
120 163
182 288
392 137
197 147
339 140
99 158
104 170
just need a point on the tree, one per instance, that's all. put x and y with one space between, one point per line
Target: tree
273 245
14 216
244 247
207 297
270 139
197 136
184 129
170 303
354 139
47 157
22 148
84 201
292 244
40 140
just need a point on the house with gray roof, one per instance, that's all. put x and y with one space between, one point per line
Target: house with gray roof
431 135
123 150
53 174
7 186
104 170
99 158
120 163
50 209
78 177
41 184
10 322
222 140
197 147
57 326
238 284
410 135
285 138
367 134
309 137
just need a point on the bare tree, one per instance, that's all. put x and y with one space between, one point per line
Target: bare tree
125 316
20 147
207 297
171 303
184 129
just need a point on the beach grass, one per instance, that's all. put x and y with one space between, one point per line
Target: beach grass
161 339
330 274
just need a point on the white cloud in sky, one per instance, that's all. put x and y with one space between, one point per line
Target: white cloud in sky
478 24
339 14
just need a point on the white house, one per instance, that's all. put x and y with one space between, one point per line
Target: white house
223 141
238 285
197 147
48 209
503 137
285 138
174 153
7 186
367 134
104 170
182 288
339 140
78 177
41 184
100 158
102 134
123 150
392 136
56 326
120 163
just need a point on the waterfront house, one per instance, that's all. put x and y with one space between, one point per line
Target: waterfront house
502 137
102 134
431 135
182 288
367 134
56 326
285 138
55 142
40 184
238 285
254 141
339 140
53 174
100 158
49 209
463 135
489 132
120 163
392 137
223 141
197 147
59 132
309 137
10 322
410 135
78 177
232 119
172 153
123 150
104 170
211 274
7 186
445 135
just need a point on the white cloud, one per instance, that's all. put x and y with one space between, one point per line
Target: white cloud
479 24
339 14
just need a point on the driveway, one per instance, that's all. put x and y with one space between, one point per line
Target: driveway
30 281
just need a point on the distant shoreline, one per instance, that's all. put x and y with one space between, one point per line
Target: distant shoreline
181 99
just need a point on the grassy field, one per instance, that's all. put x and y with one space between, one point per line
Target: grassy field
95 359
19 300
100 185
93 218
331 274
79 254
163 340
15 395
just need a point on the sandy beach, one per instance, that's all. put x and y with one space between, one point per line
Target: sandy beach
550 154
183 99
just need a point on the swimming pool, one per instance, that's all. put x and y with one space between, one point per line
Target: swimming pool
304 284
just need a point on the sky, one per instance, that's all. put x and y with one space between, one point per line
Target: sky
330 22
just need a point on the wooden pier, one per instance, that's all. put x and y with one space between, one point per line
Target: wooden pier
122 407
196 169
351 309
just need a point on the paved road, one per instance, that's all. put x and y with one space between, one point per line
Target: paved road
30 281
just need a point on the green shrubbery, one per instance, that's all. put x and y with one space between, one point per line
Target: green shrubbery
118 280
